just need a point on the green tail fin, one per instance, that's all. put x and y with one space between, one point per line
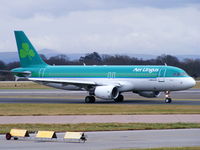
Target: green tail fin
27 53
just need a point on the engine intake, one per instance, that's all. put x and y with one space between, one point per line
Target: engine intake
106 92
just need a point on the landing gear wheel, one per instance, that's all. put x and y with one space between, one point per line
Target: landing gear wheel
8 136
120 98
168 100
167 97
89 99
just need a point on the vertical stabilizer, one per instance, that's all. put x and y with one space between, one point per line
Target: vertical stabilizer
27 53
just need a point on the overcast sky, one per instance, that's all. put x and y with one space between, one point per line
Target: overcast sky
105 26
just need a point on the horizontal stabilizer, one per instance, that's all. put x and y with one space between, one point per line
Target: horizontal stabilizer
22 73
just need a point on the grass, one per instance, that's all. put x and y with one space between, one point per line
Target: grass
83 127
32 85
20 109
165 148
197 86
21 85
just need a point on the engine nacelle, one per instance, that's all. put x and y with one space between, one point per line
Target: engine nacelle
149 94
106 92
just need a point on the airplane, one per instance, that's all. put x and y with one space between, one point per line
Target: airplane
104 82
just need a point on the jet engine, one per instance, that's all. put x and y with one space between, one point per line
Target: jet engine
106 92
149 94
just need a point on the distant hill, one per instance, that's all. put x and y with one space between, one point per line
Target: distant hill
8 57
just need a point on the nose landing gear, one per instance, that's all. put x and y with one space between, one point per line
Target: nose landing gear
167 97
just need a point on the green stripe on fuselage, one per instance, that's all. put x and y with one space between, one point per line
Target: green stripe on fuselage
104 71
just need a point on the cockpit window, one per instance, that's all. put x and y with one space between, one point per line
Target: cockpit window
180 74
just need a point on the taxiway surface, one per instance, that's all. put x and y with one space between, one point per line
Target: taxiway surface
114 139
71 119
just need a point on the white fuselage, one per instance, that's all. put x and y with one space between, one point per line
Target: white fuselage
134 84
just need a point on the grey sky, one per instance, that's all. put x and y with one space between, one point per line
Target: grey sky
105 26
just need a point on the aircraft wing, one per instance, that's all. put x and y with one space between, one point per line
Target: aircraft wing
64 81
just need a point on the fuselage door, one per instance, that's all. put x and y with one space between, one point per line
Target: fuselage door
111 75
41 72
161 75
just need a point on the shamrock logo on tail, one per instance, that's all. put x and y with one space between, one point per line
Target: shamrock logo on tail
26 51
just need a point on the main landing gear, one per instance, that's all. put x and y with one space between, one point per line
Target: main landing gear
89 99
167 97
120 98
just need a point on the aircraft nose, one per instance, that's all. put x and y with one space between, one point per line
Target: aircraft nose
191 82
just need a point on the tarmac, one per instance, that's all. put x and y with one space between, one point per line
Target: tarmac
73 119
113 139
188 97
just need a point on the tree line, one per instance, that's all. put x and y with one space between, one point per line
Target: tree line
191 66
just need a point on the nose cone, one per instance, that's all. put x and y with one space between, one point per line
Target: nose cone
191 82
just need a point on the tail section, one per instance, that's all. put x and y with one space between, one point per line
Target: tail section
27 53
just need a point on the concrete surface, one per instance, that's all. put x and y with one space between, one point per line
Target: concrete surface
188 97
101 119
113 139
